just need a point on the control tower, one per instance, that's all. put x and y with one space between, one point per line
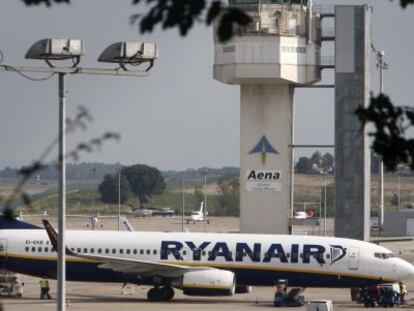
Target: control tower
279 50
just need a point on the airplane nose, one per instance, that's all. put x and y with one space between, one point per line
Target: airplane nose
407 270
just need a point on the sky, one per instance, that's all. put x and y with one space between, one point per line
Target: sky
177 118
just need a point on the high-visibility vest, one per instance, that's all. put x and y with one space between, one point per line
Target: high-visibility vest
44 283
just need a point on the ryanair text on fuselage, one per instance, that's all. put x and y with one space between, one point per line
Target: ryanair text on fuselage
295 254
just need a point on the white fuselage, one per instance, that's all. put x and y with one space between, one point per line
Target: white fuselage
255 259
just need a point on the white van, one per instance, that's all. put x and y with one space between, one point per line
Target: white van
319 305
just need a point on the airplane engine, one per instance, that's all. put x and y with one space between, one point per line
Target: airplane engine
209 283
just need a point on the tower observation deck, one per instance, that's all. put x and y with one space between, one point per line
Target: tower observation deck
267 58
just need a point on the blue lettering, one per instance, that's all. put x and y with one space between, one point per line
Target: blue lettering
275 251
243 248
220 249
197 250
316 251
171 247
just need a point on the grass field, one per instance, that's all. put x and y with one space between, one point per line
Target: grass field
83 197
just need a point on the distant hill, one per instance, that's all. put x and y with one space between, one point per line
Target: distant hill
96 171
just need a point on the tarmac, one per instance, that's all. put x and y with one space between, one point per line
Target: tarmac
98 296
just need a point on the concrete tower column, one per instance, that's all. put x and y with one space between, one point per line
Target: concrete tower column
265 157
278 50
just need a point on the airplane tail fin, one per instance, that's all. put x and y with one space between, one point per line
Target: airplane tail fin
53 236
11 223
126 225
201 207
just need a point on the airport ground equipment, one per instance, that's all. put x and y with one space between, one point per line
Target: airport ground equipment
390 295
370 296
319 305
10 284
288 297
279 50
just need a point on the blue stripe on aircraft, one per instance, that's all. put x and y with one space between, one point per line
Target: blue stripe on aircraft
90 272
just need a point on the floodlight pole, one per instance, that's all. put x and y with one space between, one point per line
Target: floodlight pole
62 72
381 65
61 278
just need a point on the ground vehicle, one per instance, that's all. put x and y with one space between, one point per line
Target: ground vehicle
320 305
10 285
389 295
164 212
370 296
287 297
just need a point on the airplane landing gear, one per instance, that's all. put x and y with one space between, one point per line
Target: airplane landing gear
160 293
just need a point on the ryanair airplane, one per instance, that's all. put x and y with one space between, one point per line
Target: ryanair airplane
203 264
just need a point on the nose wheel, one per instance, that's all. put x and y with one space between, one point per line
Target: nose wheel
164 293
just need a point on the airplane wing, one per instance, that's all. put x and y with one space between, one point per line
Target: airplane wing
127 265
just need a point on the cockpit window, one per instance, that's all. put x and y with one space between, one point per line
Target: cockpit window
384 255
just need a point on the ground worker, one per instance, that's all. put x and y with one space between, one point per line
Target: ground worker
403 292
44 288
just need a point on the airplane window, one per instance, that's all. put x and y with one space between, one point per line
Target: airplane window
141 251
92 251
203 253
378 255
78 250
106 250
85 250
72 249
385 256
113 251
155 252
33 249
301 255
392 255
135 251
99 250
39 249
46 249
121 251
26 248
230 254
148 252
328 256
288 255
184 252
128 251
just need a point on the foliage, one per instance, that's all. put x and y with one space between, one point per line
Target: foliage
394 199
391 124
327 161
316 158
229 197
109 187
304 166
144 181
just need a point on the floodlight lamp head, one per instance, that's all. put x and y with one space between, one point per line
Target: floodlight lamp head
133 53
56 49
